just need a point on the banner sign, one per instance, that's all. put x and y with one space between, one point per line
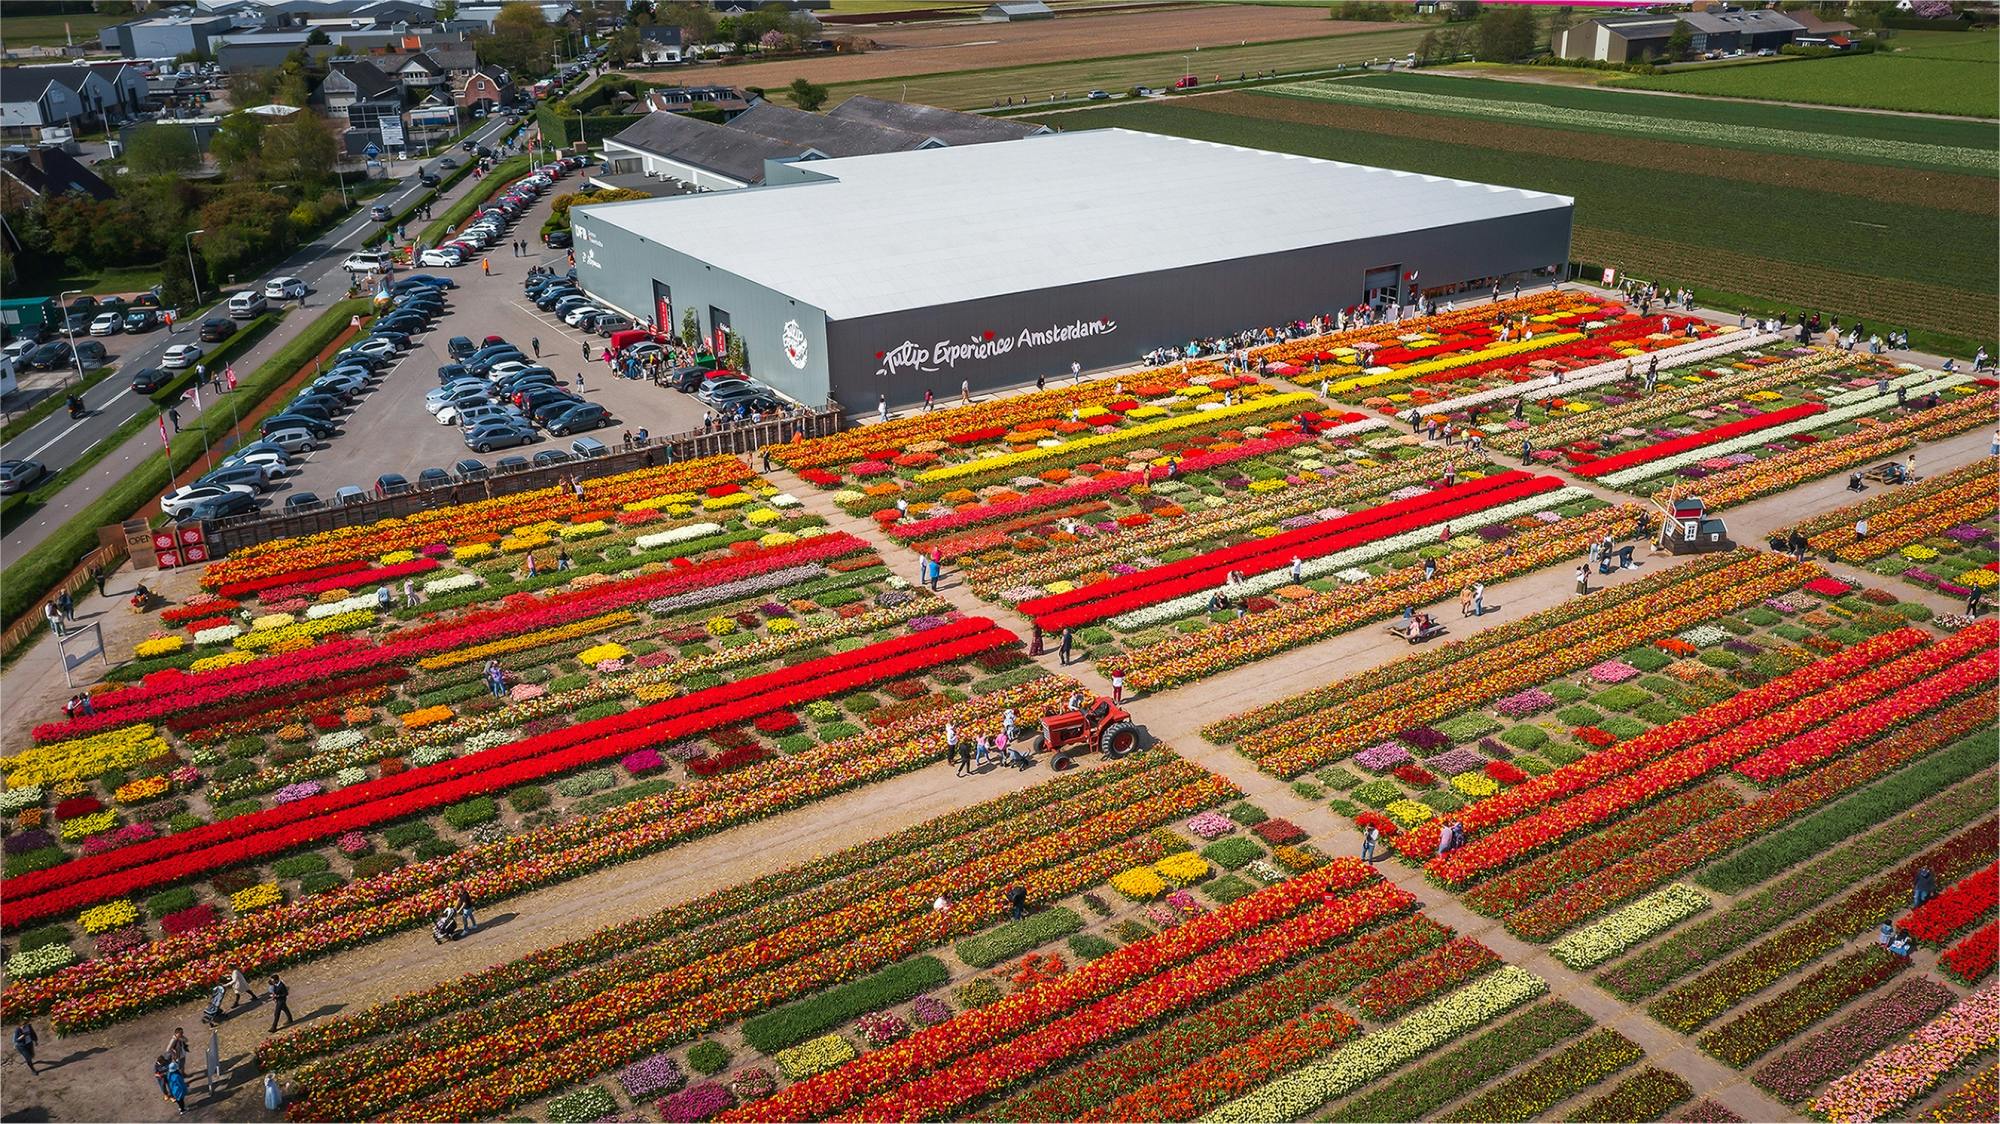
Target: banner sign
948 354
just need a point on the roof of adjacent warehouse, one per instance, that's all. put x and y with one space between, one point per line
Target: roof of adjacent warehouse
909 230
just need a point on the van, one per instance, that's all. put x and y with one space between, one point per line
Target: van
587 447
247 304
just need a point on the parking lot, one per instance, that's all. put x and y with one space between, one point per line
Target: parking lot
389 430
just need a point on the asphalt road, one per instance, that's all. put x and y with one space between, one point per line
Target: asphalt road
59 440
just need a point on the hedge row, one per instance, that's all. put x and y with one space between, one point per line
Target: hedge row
1016 937
789 1026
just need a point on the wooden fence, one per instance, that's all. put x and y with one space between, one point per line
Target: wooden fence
227 535
107 556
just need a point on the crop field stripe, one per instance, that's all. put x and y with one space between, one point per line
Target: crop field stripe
1879 183
1703 114
1788 246
1962 84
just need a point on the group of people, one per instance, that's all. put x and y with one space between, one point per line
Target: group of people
79 705
975 753
1451 836
455 921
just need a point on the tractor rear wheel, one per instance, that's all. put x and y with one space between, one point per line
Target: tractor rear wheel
1118 739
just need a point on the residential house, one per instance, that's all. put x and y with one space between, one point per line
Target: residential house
726 100
31 98
357 90
166 37
44 170
457 59
1634 38
659 43
418 73
488 88
104 96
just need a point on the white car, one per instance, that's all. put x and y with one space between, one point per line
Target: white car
18 349
374 347
108 324
177 503
181 356
504 368
284 288
458 401
576 315
445 258
274 461
366 261
474 413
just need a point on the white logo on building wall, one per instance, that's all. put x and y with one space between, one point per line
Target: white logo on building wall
946 354
795 344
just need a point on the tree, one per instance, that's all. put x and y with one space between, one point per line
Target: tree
238 146
690 327
300 151
176 284
1505 34
249 87
1427 48
244 227
318 37
447 10
1680 41
161 150
521 42
807 95
696 21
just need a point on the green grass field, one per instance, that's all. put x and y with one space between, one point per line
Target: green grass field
28 28
1960 75
977 89
1929 269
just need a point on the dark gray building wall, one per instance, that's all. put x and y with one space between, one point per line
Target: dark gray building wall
1115 321
621 268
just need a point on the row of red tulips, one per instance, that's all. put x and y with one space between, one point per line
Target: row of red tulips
1669 859
262 703
1719 747
1661 449
1838 737
1971 959
1582 353
354 579
1203 572
980 1034
517 615
189 854
250 586
1962 903
1596 768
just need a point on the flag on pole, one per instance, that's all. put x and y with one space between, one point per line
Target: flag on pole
229 374
164 443
197 394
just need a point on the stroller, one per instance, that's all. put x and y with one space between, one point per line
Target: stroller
212 1016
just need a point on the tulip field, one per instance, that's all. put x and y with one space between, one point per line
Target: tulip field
687 722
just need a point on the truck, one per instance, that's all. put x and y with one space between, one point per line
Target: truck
30 316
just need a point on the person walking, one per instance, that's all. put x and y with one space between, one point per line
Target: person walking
951 749
1583 578
937 568
67 604
97 574
1368 837
54 614
1068 641
25 1041
1478 599
177 1085
1118 685
177 1046
239 985
1007 724
1017 901
280 1002
965 392
465 910
1298 570
486 266
882 408
1465 602
409 593
536 343
1925 889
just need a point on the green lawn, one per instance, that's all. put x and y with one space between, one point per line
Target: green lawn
1961 78
976 89
120 279
1924 268
28 28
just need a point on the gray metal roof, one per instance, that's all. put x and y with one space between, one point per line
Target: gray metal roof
947 125
829 136
716 148
915 229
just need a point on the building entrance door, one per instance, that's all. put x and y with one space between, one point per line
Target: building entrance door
1383 285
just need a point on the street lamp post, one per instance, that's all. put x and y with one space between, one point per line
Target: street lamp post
71 334
341 175
1187 69
192 275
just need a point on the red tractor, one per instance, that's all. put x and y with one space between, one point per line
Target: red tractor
1102 725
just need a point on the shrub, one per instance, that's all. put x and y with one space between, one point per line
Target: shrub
1647 659
321 882
436 848
708 1057
1561 753
1622 728
529 798
51 934
1378 793
1090 946
790 1025
467 814
976 994
1621 698
368 866
298 866
167 901
1233 853
1525 737
407 834
1016 937
1228 888
1578 716
1246 813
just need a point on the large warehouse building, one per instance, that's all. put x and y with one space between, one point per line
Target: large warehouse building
991 264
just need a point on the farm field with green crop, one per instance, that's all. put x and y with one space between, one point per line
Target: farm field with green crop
1923 72
1770 205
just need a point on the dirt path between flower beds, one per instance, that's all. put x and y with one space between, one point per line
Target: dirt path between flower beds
106 1075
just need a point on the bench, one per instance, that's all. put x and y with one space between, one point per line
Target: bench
1414 635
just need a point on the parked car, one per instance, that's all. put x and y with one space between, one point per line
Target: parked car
445 257
559 239
547 457
498 435
303 501
20 475
107 324
91 353
141 320
292 439
576 419
253 475
177 502
221 507
469 469
391 484
50 356
270 427
347 495
215 330
433 478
